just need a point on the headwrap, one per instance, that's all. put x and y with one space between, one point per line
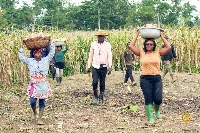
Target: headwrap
37 51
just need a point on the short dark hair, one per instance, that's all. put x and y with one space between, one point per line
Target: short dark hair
128 43
59 46
146 40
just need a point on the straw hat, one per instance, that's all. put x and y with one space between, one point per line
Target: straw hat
101 33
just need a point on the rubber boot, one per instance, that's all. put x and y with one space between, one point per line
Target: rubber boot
149 112
101 102
157 111
95 100
40 122
57 81
34 112
60 79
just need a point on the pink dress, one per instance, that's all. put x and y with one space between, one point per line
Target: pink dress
32 90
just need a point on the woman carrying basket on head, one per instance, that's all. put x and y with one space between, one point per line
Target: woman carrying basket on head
38 87
59 62
150 79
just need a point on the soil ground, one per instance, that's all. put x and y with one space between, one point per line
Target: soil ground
69 110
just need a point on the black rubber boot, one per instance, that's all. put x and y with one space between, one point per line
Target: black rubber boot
95 99
60 80
57 81
101 102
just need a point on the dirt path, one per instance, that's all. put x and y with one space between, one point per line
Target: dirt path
71 105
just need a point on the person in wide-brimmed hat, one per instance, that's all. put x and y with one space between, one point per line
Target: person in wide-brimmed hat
100 57
101 33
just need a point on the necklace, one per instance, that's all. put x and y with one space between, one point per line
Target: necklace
99 47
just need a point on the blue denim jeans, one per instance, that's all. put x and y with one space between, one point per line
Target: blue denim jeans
34 100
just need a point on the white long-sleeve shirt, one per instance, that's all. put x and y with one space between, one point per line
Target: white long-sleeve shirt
100 54
41 66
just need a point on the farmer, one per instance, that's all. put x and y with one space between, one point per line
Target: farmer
59 64
167 59
150 79
128 58
38 87
100 57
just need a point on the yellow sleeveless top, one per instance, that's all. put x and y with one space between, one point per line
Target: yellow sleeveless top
150 63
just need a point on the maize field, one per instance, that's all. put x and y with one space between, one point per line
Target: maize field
185 40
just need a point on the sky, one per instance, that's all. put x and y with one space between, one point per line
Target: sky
192 2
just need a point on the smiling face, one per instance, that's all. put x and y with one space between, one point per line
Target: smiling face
149 45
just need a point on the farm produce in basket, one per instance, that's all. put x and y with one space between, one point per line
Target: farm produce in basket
150 31
59 42
36 40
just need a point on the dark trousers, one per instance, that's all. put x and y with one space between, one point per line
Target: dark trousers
152 88
101 75
53 71
128 74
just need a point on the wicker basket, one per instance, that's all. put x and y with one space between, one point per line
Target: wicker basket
37 42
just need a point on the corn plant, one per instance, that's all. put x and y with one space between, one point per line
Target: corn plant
13 71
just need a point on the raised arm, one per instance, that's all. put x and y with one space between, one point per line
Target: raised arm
167 46
22 57
52 51
66 49
132 47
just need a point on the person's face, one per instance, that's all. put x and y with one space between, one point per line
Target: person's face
149 45
59 48
100 39
38 55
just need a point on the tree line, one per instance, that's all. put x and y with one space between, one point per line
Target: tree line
94 14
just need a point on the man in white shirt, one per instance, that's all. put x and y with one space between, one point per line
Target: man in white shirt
100 57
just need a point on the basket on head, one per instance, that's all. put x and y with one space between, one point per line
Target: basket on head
37 41
150 31
59 42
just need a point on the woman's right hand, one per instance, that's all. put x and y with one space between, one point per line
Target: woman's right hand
137 32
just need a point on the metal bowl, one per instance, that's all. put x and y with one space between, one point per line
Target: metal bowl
146 32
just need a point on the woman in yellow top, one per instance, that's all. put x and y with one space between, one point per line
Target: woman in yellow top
150 79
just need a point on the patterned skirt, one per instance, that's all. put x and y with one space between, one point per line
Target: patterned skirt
32 90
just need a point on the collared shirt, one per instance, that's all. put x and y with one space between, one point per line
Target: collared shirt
41 66
100 54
